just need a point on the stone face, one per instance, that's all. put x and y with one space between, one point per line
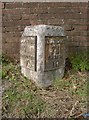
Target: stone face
54 55
42 54
27 52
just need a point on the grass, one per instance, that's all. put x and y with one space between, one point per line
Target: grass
73 84
80 61
21 98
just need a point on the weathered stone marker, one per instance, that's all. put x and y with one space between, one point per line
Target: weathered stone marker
42 53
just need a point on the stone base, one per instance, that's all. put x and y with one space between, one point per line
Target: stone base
44 79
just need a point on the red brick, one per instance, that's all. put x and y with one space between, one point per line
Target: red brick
38 10
21 28
66 10
71 16
3 5
25 5
76 21
30 5
34 16
16 57
68 27
17 34
35 22
16 23
10 11
25 16
63 16
16 17
6 24
33 10
80 27
54 4
13 57
42 22
15 11
22 22
11 17
76 16
7 29
74 28
76 33
12 39
79 4
9 34
79 10
6 18
11 48
13 29
47 16
0 12
3 30
12 34
79 44
56 21
63 4
77 38
84 44
13 5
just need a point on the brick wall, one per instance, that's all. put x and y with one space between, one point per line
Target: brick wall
17 15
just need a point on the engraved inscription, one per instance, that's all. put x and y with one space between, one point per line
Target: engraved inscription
53 52
28 52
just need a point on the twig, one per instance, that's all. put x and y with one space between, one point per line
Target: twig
79 115
71 112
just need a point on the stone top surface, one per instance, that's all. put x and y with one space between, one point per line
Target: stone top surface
43 30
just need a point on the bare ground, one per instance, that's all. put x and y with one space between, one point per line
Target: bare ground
65 99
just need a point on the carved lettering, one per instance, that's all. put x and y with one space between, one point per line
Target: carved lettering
52 53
